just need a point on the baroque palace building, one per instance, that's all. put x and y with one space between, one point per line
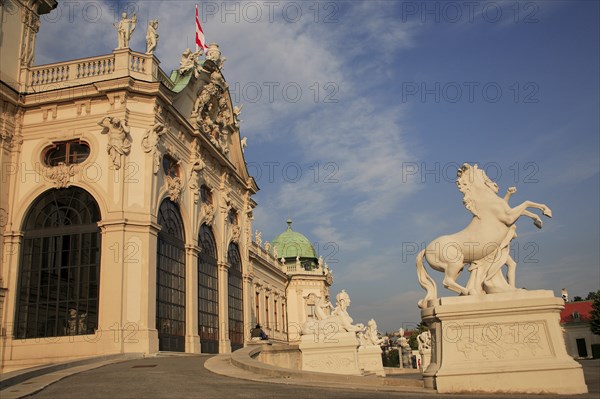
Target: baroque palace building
126 209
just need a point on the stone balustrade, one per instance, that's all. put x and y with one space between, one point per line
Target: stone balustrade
120 63
289 268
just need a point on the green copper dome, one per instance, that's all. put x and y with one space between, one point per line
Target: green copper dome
291 244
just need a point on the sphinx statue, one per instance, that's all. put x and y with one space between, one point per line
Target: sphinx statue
338 321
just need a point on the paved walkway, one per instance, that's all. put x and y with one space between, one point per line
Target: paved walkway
186 377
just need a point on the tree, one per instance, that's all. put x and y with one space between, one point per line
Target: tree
577 299
595 315
592 295
412 341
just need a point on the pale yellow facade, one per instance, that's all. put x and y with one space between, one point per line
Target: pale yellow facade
149 152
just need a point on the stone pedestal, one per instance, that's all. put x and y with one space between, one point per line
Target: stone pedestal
369 359
336 354
425 358
505 342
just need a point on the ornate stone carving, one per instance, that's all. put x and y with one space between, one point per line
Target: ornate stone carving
118 142
236 116
235 234
198 166
227 204
151 36
493 226
258 238
188 61
503 341
125 29
61 174
330 362
214 54
424 341
212 111
174 187
208 214
338 320
151 142
244 143
31 23
7 122
370 336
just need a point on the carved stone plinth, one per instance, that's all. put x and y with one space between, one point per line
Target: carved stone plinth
425 359
506 342
336 353
369 359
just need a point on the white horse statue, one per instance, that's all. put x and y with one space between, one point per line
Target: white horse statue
484 243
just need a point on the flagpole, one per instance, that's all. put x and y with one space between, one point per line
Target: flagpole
194 23
200 39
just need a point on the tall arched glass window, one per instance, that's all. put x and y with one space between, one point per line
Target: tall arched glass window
59 269
236 299
170 279
208 292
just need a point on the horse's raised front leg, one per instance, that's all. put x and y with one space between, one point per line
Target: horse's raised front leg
537 221
519 210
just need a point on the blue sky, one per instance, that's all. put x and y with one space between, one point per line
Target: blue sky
365 109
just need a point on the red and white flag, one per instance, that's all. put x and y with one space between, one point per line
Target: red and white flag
200 41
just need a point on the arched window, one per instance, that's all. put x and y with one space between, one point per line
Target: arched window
236 299
171 166
208 292
170 279
59 269
67 152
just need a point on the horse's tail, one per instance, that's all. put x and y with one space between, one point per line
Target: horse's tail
426 281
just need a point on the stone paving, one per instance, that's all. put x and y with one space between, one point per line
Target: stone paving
186 377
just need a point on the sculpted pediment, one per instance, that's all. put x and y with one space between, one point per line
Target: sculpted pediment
205 102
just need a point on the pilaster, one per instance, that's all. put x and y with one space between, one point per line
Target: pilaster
248 301
224 341
192 339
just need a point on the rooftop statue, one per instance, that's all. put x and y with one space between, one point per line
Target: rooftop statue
484 244
151 36
214 54
125 29
188 60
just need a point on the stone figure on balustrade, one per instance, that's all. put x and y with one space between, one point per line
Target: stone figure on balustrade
125 29
151 36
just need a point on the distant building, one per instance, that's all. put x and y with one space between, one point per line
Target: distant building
575 320
126 209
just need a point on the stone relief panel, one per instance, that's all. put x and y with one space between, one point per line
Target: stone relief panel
475 342
60 175
330 362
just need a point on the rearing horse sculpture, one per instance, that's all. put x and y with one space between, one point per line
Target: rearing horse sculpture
484 243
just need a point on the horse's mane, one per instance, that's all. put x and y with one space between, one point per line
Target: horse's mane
463 180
